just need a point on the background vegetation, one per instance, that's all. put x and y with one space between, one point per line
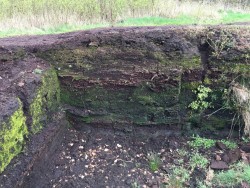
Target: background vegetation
52 16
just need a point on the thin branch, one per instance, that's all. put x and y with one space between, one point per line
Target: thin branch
209 115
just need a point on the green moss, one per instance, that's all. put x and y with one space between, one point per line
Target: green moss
215 123
232 68
191 85
176 61
12 135
87 60
191 63
139 105
207 81
70 59
18 54
146 100
46 100
87 119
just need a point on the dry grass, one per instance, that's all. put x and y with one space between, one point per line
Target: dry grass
242 95
32 14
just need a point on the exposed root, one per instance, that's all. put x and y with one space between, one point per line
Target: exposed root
242 96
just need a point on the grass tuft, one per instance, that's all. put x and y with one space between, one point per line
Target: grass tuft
199 142
154 161
237 174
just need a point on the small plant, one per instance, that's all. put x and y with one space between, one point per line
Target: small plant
182 152
199 142
37 71
201 185
174 182
179 176
154 161
238 173
197 160
135 185
229 144
201 103
223 42
245 139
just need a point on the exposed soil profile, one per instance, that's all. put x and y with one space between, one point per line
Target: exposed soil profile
122 107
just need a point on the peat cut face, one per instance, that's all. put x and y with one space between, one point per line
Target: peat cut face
148 76
125 77
119 77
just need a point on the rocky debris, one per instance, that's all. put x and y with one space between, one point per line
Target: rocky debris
230 156
245 157
219 165
246 148
226 158
221 146
197 176
245 185
234 155
173 144
102 159
8 105
217 158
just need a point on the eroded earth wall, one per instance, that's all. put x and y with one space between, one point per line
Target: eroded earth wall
123 77
147 76
29 99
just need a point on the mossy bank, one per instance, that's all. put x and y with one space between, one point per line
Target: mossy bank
26 109
149 76
13 133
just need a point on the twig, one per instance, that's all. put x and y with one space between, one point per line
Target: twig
209 115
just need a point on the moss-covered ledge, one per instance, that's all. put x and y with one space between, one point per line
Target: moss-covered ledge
17 121
13 129
45 102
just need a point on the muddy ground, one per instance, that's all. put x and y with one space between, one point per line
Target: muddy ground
105 157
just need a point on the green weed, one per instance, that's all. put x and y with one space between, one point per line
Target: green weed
201 185
238 173
199 142
182 173
245 139
229 144
135 185
201 103
154 161
197 160
174 182
182 152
